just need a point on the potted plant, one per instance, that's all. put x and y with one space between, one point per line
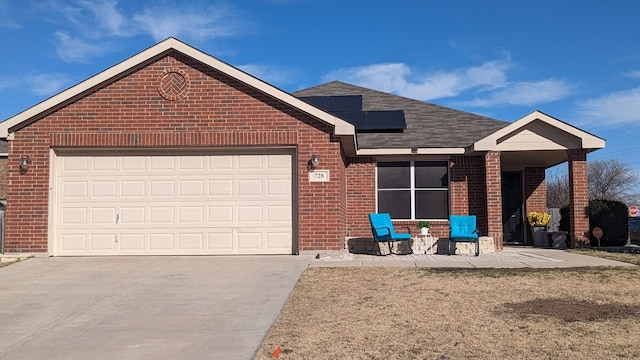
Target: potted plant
424 227
538 222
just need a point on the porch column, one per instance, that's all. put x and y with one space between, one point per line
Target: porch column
578 198
493 186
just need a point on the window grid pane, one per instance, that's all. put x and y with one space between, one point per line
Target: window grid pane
413 189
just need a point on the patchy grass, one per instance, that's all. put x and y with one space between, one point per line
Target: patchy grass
631 258
412 313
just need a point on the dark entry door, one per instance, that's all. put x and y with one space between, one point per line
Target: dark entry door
512 226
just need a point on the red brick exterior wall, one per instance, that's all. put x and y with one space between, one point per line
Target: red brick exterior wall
361 195
579 198
4 163
468 188
217 111
493 183
535 194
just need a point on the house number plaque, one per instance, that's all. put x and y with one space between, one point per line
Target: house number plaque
318 175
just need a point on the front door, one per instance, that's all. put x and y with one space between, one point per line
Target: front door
512 223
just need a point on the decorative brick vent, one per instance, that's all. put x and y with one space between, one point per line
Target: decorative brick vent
173 84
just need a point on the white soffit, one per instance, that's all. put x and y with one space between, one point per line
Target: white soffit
409 151
341 127
539 131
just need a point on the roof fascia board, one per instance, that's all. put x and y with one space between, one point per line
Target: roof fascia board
490 142
341 127
409 151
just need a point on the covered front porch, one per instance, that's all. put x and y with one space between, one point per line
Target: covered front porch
516 161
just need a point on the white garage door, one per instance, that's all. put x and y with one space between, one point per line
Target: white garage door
169 205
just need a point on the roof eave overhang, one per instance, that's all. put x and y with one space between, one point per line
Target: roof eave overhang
411 151
588 141
341 127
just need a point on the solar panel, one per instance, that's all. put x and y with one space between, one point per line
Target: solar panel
385 120
356 118
349 108
317 101
344 103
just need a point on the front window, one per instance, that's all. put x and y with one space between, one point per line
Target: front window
413 190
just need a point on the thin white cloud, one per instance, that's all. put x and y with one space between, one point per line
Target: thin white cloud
271 74
7 20
614 109
192 23
46 84
633 74
526 93
400 79
71 49
108 17
89 22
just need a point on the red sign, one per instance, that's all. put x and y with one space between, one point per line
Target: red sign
633 211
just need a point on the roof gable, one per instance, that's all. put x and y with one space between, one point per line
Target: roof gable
341 127
539 131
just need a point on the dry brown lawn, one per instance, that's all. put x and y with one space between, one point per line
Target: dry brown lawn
410 313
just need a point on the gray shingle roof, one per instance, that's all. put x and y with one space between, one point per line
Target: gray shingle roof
428 125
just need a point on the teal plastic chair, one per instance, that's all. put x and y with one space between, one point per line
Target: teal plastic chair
383 231
463 229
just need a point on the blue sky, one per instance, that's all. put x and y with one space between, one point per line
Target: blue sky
578 61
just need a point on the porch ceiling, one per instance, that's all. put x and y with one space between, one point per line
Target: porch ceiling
518 160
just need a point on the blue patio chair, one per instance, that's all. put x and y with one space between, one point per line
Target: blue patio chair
383 231
463 229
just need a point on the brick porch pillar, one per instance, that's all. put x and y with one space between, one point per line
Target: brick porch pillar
579 198
493 186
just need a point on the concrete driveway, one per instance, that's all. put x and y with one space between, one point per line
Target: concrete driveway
207 307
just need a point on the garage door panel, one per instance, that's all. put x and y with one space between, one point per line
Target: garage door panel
103 216
220 188
191 188
161 215
72 243
132 242
220 241
279 240
249 215
132 163
133 215
221 215
249 187
75 189
249 239
132 188
102 242
74 216
161 242
103 189
162 188
191 214
104 164
278 214
75 164
189 204
192 163
190 242
162 163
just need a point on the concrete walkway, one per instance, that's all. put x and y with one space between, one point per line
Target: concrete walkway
510 257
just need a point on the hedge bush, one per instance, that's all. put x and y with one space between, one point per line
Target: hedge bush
611 216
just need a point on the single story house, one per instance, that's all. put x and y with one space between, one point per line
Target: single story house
173 151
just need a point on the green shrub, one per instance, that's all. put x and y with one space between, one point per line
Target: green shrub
610 216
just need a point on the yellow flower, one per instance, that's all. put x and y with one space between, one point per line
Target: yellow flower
538 218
